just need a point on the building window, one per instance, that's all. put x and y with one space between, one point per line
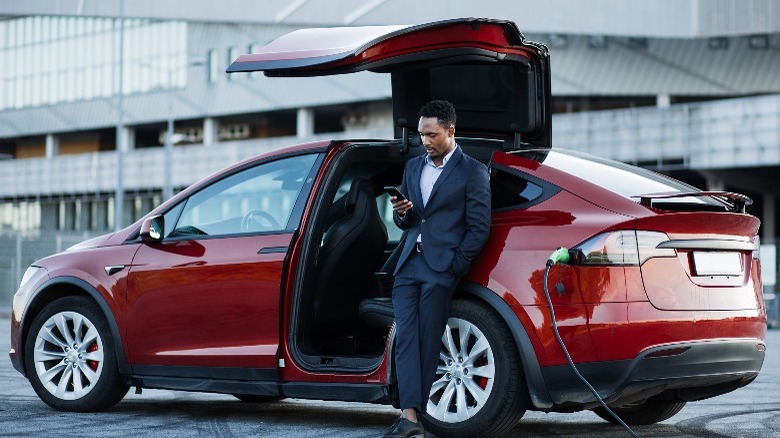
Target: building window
597 42
59 59
213 66
718 43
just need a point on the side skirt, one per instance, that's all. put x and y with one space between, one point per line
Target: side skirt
263 382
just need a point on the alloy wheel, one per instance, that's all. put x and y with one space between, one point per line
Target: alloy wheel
68 355
465 375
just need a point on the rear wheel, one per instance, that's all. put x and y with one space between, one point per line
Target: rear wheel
479 388
70 357
648 412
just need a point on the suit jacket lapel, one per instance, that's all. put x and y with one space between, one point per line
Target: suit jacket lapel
416 193
451 164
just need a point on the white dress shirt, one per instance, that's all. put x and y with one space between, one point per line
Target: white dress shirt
430 173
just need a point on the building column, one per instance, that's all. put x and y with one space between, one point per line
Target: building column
128 138
663 100
768 220
67 214
210 131
769 246
305 123
52 145
79 216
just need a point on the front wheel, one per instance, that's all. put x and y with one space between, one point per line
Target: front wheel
70 357
479 388
647 412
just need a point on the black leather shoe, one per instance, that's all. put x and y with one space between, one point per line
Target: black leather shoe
403 428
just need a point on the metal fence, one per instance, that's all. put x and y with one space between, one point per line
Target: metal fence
20 249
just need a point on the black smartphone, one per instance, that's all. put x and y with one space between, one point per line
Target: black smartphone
393 191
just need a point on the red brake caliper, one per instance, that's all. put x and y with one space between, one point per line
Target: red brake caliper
92 363
481 380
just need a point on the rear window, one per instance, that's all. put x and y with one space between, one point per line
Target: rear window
511 190
622 178
476 87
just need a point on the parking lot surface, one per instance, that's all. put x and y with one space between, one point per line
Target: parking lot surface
748 412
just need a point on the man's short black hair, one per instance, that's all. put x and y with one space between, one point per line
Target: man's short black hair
442 110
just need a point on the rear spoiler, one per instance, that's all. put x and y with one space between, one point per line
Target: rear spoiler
735 202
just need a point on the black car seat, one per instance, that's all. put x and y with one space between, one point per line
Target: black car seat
377 312
351 249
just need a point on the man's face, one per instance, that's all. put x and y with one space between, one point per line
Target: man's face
437 140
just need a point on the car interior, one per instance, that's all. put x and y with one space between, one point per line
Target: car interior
343 301
344 295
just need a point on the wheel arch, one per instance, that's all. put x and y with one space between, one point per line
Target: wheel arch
60 287
537 387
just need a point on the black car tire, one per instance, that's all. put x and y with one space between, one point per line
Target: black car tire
75 371
251 398
507 399
648 412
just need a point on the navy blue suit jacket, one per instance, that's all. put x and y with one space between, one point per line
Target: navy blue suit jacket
455 223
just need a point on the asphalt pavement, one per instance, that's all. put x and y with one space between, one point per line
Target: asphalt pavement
749 412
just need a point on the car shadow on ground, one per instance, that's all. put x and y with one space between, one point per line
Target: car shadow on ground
316 419
188 415
184 414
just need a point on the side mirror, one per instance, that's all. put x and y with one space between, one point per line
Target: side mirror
153 229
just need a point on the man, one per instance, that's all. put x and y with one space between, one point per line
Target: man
447 215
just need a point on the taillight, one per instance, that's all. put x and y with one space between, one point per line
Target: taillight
625 247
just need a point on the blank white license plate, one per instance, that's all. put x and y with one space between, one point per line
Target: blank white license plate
717 263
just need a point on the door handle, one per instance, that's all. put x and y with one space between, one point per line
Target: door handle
272 250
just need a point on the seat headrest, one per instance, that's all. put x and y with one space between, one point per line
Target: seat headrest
359 185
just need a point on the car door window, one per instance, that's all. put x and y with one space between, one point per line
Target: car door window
256 200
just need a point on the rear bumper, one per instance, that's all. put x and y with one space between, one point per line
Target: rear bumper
683 372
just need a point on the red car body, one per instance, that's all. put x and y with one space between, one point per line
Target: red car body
232 312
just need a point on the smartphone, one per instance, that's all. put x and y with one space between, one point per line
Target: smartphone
393 191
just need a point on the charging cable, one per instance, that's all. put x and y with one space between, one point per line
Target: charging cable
561 255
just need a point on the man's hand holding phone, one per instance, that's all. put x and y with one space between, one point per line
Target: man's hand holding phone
400 204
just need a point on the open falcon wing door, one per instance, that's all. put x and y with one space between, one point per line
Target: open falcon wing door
498 81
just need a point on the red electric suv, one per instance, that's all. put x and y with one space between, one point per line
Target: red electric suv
270 279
